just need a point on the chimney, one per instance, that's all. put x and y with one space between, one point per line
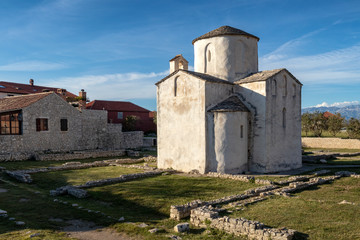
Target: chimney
31 82
178 62
82 100
61 91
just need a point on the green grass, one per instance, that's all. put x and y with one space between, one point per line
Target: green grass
35 211
345 161
143 200
330 150
326 134
315 211
17 165
151 198
40 234
77 177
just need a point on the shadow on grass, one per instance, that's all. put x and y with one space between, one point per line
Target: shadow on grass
301 236
36 209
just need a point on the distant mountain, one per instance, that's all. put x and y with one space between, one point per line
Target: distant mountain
347 111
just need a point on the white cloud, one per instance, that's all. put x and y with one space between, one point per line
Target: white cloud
338 104
118 86
335 66
32 66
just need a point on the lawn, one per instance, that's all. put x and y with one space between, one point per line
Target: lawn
314 212
144 200
326 134
331 150
16 165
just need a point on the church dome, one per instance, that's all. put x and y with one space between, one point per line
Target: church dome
224 31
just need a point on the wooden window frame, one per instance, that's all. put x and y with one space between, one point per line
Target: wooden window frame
64 125
42 124
14 123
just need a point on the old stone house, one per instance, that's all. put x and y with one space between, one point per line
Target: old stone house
226 116
46 122
119 110
8 89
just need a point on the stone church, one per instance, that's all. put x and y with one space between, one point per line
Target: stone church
226 116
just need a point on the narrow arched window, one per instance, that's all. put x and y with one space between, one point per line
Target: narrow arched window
284 118
241 131
209 56
285 87
175 86
273 87
294 90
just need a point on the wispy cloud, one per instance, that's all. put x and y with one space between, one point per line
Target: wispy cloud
340 65
338 104
113 86
289 48
32 66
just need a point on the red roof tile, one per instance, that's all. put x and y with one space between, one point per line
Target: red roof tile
115 106
19 102
328 114
19 88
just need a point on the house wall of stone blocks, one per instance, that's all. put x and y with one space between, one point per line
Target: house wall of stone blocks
87 130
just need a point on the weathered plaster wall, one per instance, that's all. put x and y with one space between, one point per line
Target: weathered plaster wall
87 130
312 142
226 57
215 93
283 123
181 123
231 146
254 97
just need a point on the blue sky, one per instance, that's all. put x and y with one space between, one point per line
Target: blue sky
118 49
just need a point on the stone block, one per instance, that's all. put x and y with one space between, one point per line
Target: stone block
182 227
77 192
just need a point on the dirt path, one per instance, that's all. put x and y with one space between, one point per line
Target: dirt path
84 230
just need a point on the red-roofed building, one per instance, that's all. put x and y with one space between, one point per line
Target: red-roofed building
118 111
328 114
8 89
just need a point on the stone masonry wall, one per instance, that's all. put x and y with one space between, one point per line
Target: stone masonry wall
87 130
330 143
238 226
132 139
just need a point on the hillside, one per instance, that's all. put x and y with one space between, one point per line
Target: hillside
346 111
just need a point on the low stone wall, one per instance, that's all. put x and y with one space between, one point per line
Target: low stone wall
238 226
182 211
238 177
60 156
78 192
122 178
330 143
24 175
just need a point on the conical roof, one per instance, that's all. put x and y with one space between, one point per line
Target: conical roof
231 104
224 30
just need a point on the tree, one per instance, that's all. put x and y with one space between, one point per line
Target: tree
306 122
353 128
155 117
335 123
130 122
318 123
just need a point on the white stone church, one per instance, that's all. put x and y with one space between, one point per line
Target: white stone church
226 116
